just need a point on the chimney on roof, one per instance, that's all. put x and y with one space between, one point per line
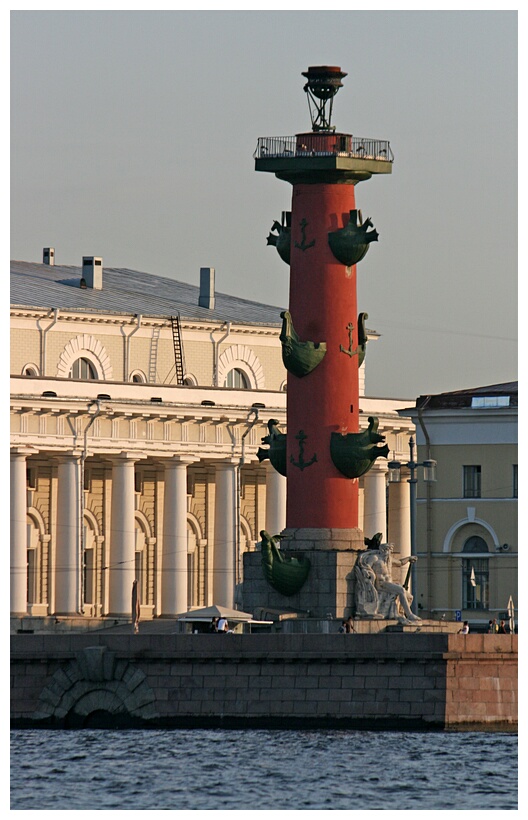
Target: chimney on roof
92 272
48 256
207 288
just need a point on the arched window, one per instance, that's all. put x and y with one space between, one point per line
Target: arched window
141 561
475 544
138 377
236 378
89 563
82 369
30 370
33 560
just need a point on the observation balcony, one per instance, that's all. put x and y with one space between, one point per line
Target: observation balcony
328 156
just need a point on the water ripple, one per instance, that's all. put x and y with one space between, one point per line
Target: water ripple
275 770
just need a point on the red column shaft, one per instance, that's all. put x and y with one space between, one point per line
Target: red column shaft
323 302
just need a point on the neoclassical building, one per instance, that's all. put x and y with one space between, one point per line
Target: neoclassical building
138 404
467 525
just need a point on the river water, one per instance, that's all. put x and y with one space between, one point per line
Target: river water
262 769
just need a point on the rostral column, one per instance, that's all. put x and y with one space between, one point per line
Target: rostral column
323 334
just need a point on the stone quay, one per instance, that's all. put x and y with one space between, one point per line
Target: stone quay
389 680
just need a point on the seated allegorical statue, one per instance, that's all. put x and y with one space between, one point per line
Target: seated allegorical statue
377 595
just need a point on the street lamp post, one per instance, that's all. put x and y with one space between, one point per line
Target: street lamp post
429 474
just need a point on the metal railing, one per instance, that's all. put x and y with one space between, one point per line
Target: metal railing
327 145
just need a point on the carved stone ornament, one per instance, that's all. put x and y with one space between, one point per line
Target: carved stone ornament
285 574
299 358
351 243
375 593
354 453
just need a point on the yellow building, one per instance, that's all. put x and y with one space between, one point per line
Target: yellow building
138 404
467 540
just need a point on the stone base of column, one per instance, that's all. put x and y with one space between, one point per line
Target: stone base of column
303 539
328 590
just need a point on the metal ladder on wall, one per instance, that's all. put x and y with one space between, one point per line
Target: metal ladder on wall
153 359
179 360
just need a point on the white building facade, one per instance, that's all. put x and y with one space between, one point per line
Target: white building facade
138 405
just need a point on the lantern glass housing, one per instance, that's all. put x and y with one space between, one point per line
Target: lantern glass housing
394 472
429 468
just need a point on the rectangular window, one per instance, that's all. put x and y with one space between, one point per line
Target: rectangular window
475 583
31 478
138 482
472 474
515 482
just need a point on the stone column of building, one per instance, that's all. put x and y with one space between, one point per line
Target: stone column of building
122 536
400 518
375 501
275 500
225 534
67 542
174 550
18 512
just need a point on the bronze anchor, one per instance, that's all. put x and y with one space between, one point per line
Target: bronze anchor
303 246
301 464
350 352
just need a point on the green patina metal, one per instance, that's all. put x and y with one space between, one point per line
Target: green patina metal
350 244
301 463
354 453
350 349
299 358
304 245
283 573
374 542
282 241
362 338
277 448
361 349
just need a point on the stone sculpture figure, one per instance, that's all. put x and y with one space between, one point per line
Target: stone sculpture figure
377 596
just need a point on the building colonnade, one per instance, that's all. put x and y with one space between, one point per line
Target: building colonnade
69 583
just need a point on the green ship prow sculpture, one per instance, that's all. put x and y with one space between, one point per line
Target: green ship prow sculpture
277 447
299 358
350 244
354 453
283 573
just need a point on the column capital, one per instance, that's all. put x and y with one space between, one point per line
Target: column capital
175 460
23 452
378 467
125 456
225 463
68 456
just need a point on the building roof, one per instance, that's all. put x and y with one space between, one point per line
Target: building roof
128 291
458 399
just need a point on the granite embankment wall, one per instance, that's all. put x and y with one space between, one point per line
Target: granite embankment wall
435 681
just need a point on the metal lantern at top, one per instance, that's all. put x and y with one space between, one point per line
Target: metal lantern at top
323 84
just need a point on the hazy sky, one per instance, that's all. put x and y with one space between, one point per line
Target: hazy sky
133 135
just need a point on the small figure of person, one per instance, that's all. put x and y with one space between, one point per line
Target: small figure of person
465 628
343 627
502 628
213 626
222 626
495 626
350 624
490 627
